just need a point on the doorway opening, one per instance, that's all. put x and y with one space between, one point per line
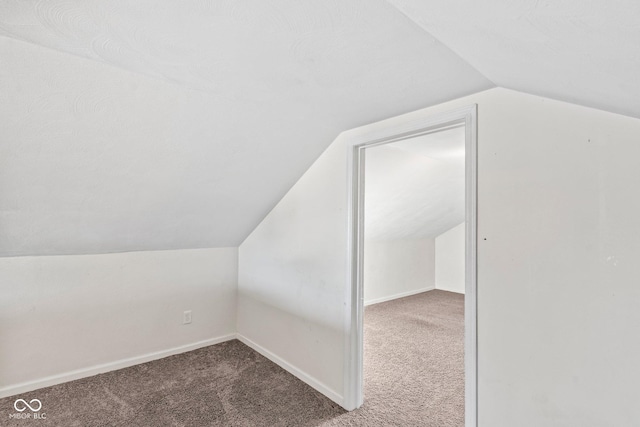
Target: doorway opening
404 135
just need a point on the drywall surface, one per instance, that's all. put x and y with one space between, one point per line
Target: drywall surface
148 125
557 273
557 250
450 260
500 38
397 268
415 187
60 314
292 272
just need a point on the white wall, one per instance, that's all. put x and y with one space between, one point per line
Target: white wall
292 271
397 268
63 317
557 279
557 265
450 260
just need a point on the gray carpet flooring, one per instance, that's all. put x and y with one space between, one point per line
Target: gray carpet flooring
414 376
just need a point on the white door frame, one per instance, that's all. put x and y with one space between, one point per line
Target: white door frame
353 379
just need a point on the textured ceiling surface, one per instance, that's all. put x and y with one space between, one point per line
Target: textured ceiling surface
141 125
415 188
581 51
164 125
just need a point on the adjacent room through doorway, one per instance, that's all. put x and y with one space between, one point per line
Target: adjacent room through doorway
412 347
414 260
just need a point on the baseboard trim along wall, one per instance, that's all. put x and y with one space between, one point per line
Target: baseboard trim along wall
77 374
396 296
448 289
301 375
106 367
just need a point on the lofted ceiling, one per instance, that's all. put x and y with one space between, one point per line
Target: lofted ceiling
164 125
415 188
580 51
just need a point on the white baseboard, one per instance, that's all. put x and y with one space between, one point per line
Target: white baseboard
444 288
24 387
301 375
106 367
396 296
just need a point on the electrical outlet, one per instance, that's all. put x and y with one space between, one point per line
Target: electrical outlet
186 317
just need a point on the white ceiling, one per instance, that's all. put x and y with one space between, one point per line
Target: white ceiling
164 125
415 188
581 51
140 125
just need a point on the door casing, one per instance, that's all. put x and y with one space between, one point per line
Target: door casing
354 295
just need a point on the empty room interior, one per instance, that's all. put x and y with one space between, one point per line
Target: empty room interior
319 213
414 278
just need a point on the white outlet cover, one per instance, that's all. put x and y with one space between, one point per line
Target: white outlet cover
186 317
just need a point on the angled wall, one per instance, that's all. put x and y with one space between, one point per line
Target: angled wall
292 271
558 243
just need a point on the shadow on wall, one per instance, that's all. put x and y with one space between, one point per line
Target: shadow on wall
451 260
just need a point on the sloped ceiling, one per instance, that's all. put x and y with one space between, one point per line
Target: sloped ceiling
415 188
164 125
142 125
581 51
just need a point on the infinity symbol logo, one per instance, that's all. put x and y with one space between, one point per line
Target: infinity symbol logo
24 405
